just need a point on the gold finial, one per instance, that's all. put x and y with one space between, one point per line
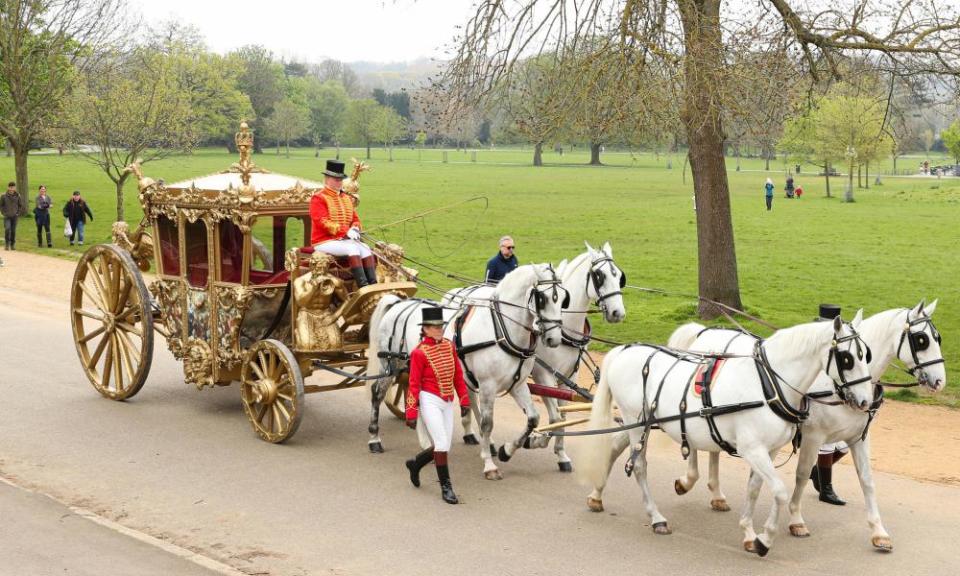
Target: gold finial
244 140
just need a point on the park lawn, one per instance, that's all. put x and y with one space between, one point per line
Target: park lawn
895 245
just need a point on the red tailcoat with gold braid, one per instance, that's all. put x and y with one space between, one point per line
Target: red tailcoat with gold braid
329 209
435 368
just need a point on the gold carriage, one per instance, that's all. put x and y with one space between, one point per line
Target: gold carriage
238 294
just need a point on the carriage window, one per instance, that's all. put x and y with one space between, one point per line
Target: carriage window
270 237
197 264
169 246
231 251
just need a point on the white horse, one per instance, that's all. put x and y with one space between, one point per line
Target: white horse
590 277
497 348
757 402
904 334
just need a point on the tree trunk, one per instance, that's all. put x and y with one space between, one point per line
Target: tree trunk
766 156
368 150
595 154
120 211
538 154
231 146
894 164
701 115
287 146
848 193
859 175
866 175
20 167
826 173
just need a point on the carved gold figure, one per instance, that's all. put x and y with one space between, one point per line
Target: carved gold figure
316 294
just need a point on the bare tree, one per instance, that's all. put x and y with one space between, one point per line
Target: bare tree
43 43
693 37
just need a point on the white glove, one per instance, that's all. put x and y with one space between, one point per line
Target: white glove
353 233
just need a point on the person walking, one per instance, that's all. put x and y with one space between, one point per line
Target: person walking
503 263
829 454
41 213
10 207
76 212
336 226
769 194
789 187
435 374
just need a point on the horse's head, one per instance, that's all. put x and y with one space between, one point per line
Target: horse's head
605 283
548 298
919 348
847 362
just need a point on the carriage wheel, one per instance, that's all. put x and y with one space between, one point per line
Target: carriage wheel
396 398
112 321
271 387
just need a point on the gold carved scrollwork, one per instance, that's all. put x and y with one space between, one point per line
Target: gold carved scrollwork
316 294
168 293
232 304
198 363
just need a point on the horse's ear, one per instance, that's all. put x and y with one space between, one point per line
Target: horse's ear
561 267
929 308
607 249
589 248
837 324
855 323
918 309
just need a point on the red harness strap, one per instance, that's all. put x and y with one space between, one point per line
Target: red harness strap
701 376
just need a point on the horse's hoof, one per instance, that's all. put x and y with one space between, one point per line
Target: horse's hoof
661 529
375 447
471 440
882 543
595 504
719 505
678 487
565 466
502 454
762 549
527 444
749 546
799 530
493 475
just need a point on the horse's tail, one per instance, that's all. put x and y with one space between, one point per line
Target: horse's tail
684 336
595 450
374 363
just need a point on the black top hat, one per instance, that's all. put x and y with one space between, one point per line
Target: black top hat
335 169
829 311
432 317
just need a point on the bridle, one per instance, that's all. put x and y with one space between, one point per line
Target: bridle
597 277
845 361
539 295
918 342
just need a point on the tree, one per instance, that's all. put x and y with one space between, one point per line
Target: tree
387 127
43 44
262 79
359 124
339 72
535 100
693 37
951 139
328 103
131 107
289 121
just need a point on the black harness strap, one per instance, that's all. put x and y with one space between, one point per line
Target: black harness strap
708 405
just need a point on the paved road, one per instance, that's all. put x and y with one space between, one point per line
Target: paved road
183 465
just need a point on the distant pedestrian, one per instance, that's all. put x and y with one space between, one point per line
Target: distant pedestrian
503 263
10 207
789 187
41 213
76 212
799 192
769 194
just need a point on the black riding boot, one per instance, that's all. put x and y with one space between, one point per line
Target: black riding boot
370 269
822 476
415 464
443 473
359 277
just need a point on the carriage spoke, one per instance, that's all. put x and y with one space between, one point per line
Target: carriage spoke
129 328
95 298
89 314
276 417
117 363
128 342
283 409
115 276
125 354
122 299
92 335
107 365
286 397
98 351
98 284
261 412
256 368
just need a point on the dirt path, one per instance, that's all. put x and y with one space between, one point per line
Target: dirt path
920 442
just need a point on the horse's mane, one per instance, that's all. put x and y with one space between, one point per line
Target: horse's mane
573 265
873 328
802 337
526 275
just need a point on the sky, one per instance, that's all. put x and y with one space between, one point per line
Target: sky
348 30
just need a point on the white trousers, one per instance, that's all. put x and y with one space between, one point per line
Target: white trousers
834 446
345 247
436 415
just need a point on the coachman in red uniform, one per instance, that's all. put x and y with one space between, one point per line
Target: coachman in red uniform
435 374
336 226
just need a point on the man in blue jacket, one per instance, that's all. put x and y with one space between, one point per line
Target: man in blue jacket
504 262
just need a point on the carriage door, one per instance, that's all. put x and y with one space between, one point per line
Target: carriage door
199 349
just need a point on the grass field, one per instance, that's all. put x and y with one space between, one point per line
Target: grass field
897 244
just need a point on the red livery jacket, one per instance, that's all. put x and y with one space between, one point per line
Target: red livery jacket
435 368
330 208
